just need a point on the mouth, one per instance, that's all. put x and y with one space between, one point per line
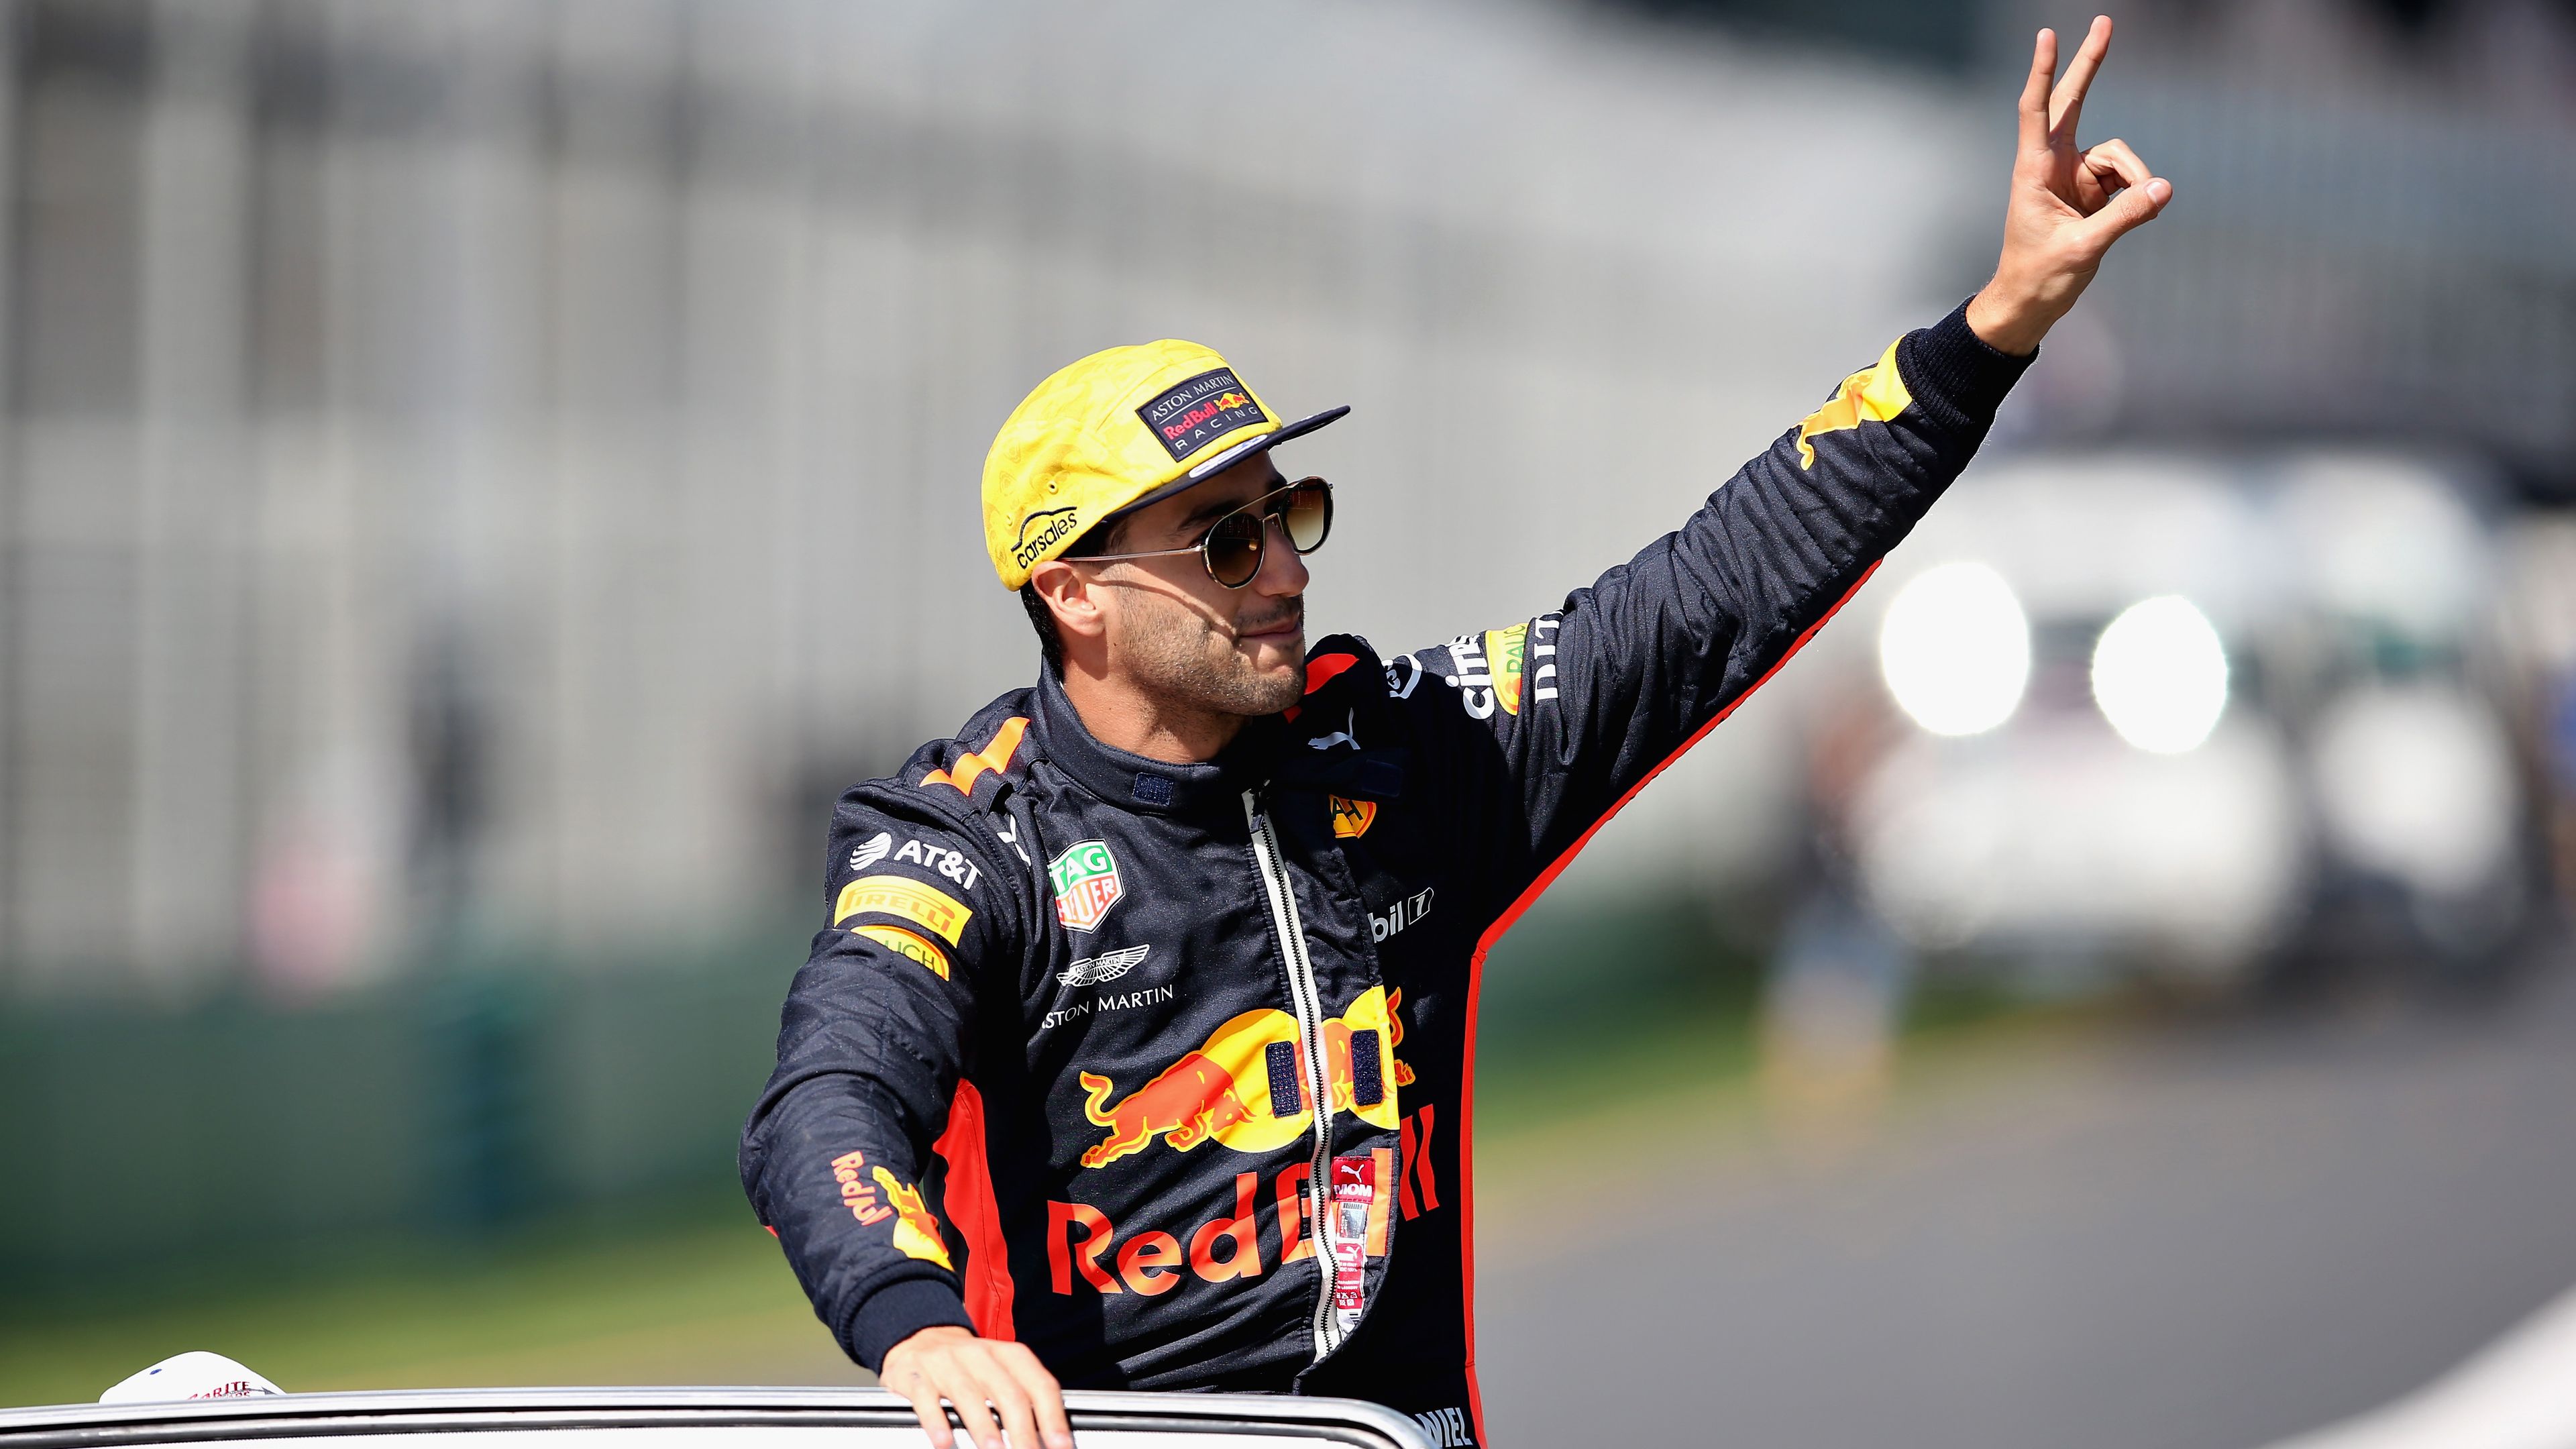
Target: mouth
1273 631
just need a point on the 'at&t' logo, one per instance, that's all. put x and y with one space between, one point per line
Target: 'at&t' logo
1086 885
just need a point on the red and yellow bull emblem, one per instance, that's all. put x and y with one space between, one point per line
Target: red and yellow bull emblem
1245 1085
1086 885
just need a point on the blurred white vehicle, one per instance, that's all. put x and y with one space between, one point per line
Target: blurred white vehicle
2171 714
683 1419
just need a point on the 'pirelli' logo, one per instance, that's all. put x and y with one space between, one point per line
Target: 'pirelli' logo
894 895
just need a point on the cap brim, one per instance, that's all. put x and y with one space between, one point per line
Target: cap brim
1227 459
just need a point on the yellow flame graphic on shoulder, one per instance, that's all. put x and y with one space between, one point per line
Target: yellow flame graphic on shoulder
1874 394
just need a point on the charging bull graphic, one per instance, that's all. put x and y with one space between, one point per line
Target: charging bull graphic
1224 1090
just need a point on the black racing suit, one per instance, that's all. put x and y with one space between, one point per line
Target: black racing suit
1057 1067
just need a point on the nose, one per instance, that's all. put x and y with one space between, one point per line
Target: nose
1283 573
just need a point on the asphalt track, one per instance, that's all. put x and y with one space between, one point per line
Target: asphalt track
2181 1239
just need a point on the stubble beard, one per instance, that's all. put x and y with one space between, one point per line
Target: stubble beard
1185 660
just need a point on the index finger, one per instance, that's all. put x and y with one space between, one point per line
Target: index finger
2034 92
2066 105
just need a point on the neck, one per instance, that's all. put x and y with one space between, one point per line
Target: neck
1124 717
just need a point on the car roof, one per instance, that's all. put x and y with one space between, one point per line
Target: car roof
1182 1416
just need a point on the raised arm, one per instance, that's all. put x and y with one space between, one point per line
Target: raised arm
1588 701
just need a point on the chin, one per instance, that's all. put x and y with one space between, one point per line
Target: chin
1283 654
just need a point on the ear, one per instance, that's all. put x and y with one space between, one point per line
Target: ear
1069 595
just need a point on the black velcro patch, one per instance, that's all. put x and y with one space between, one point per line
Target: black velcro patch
1367 1088
1287 1099
1200 411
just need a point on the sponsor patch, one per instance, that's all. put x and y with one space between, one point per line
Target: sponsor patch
950 863
1446 1428
1355 1203
1222 1091
1542 653
1872 395
1474 684
1086 885
907 945
895 895
1109 1001
1404 913
1041 531
857 1193
1107 966
1200 411
916 1232
872 852
1351 818
1505 652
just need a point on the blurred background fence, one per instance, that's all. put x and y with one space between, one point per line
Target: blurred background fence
477 478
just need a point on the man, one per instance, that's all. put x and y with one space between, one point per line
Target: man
1139 1051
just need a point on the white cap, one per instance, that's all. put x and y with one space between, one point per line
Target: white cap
192 1375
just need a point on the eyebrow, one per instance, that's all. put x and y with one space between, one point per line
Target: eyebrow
1215 509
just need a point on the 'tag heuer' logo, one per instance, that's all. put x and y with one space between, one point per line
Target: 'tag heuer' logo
1086 885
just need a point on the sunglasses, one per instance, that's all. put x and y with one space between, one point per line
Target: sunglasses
1234 545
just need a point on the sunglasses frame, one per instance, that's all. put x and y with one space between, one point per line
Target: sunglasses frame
1261 550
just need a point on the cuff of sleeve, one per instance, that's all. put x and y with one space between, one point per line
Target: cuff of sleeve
897 1312
1952 361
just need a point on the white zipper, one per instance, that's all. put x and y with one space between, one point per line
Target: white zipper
1310 1028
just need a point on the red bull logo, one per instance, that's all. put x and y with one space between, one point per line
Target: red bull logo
1245 1086
1085 1247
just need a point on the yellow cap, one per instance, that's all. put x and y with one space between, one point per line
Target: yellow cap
1115 431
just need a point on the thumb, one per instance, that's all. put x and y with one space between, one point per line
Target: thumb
2128 211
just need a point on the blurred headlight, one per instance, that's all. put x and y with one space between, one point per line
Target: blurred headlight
1955 649
2160 675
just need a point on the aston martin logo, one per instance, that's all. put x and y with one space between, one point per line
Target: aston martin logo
1107 966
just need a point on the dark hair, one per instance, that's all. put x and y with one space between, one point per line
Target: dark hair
1104 538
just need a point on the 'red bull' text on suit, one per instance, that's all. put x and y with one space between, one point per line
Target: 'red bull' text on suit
1166 1071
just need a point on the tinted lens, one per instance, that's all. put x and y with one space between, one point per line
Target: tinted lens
1306 511
1233 549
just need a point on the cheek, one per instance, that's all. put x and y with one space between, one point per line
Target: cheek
1149 625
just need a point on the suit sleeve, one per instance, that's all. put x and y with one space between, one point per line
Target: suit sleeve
875 1036
1589 701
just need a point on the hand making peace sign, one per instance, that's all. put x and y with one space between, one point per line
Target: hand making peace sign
2067 205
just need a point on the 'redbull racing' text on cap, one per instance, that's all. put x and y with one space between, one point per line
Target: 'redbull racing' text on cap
1115 431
